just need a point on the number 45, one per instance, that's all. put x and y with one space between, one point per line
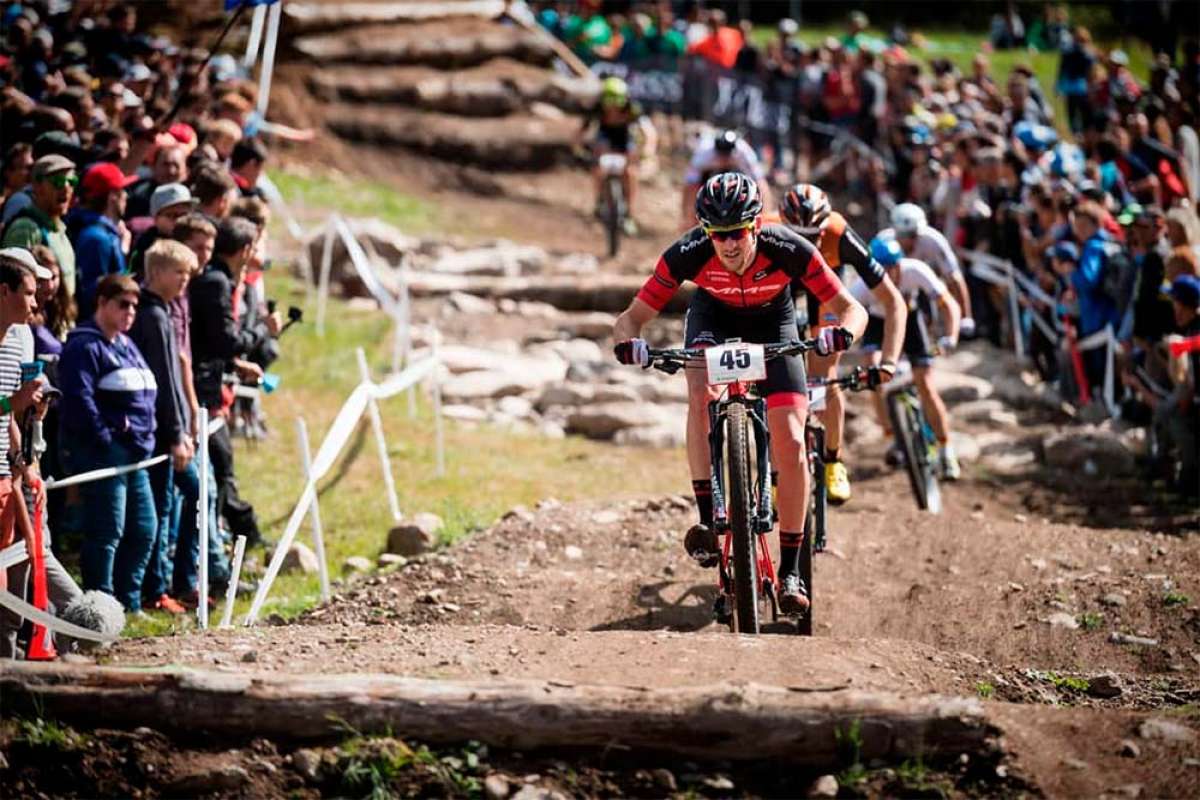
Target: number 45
739 360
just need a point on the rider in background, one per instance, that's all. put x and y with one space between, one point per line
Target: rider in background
926 243
914 278
743 271
616 118
806 210
726 152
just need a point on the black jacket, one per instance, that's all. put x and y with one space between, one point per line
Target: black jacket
216 337
155 338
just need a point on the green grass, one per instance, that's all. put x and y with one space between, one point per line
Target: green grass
985 690
321 193
45 733
1091 620
1174 599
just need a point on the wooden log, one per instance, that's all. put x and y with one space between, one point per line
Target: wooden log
728 722
329 16
466 44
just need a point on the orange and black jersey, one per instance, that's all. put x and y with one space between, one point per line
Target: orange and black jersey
841 247
783 256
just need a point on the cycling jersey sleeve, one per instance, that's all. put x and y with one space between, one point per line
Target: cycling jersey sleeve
947 261
853 251
916 276
681 262
800 259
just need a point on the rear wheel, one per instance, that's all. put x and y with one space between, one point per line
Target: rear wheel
745 563
613 211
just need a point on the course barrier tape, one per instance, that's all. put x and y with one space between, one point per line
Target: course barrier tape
35 615
335 439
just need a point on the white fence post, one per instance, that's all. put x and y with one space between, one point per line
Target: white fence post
202 520
326 268
268 60
235 574
377 426
1014 310
255 40
318 535
438 427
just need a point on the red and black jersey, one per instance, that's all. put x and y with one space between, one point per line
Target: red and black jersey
840 246
783 256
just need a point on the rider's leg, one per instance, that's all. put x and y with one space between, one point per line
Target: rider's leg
785 420
881 413
629 184
931 402
699 460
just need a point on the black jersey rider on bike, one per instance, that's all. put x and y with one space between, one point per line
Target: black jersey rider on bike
743 272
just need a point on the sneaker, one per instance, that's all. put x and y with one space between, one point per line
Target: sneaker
721 612
895 456
168 604
192 601
702 545
837 482
629 226
950 468
793 597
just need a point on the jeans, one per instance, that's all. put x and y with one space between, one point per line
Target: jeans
183 517
158 569
239 514
122 526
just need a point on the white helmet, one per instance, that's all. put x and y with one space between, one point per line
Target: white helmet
907 218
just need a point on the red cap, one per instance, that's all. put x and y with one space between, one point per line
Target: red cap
103 178
183 133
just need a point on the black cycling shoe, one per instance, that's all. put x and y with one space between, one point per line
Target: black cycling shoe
702 545
721 612
895 457
793 596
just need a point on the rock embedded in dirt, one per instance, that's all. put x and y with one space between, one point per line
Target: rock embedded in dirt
356 564
824 786
1107 686
464 303
1116 637
495 787
1130 749
1113 600
1062 619
415 536
603 420
1166 730
572 552
300 558
386 560
221 779
1074 449
955 387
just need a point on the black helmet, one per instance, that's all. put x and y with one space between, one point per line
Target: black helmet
726 141
806 207
728 199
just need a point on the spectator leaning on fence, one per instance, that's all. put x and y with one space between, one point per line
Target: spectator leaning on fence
41 222
108 419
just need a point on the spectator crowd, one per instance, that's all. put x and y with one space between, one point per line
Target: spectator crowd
131 297
1093 204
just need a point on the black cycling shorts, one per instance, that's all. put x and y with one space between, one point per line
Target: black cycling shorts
615 139
709 322
916 338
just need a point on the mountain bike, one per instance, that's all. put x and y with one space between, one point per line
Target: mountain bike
613 205
814 441
915 438
739 444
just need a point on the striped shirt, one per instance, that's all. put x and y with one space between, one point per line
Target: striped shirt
16 347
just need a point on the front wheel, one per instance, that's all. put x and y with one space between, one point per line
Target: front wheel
614 203
745 563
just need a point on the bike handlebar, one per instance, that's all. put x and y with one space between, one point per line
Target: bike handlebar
856 380
671 359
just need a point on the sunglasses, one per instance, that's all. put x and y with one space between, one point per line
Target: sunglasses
723 234
126 305
61 180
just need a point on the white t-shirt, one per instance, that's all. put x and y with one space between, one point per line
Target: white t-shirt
704 160
15 348
915 278
932 248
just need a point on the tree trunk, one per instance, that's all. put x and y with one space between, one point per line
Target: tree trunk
734 722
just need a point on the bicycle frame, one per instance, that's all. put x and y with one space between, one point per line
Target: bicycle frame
764 512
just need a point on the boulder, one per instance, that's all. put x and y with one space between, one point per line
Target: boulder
1166 730
988 411
1090 450
464 413
596 325
503 258
356 564
460 358
464 303
571 350
615 393
415 536
603 420
957 387
565 394
515 406
300 558
509 375
662 436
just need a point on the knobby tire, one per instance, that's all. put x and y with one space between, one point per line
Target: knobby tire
909 438
745 562
612 216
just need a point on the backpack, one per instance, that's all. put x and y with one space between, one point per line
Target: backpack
1120 272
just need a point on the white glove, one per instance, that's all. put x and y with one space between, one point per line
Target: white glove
945 344
632 351
966 328
833 340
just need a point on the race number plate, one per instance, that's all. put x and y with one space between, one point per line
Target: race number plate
612 163
816 398
739 361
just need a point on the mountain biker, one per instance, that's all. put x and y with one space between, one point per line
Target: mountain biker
616 117
725 152
743 272
925 243
806 210
914 278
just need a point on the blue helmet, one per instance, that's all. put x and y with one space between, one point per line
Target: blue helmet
886 251
1068 160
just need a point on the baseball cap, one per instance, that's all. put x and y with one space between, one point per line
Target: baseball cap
1119 57
46 166
167 195
103 178
1130 213
1186 290
25 257
1063 251
138 72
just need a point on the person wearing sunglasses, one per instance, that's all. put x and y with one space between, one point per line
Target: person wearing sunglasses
108 401
806 209
41 222
743 272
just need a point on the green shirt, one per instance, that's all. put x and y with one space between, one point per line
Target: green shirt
34 228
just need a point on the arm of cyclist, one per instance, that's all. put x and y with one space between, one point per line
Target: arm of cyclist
953 275
853 251
629 347
951 316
